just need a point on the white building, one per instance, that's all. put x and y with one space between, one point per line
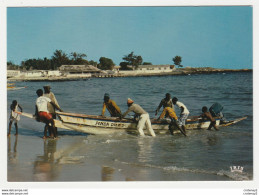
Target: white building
146 69
155 68
13 73
32 74
51 73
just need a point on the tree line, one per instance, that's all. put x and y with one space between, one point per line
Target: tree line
130 61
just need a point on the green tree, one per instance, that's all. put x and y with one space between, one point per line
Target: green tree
78 58
133 60
29 64
12 66
91 62
147 63
44 64
177 61
124 66
59 58
36 64
105 64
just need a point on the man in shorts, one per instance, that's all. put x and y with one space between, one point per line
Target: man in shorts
206 115
51 108
184 113
174 120
42 113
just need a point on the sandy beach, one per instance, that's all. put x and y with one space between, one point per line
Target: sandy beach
66 159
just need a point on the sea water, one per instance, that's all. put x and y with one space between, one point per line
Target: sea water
203 155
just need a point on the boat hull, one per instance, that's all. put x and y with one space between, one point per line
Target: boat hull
107 125
98 125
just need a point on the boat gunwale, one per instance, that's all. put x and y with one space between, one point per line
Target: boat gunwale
194 119
95 117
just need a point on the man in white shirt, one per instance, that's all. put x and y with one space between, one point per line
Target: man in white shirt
43 114
184 112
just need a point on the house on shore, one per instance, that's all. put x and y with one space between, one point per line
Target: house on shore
79 70
32 73
65 71
146 69
85 71
13 73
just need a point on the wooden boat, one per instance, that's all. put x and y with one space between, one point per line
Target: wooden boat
11 86
14 88
93 124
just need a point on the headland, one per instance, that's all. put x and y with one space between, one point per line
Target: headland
130 73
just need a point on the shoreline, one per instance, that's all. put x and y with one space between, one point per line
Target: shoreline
178 72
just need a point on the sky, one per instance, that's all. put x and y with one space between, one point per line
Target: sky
214 36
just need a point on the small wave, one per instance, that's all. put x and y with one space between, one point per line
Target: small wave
232 175
182 169
111 141
235 175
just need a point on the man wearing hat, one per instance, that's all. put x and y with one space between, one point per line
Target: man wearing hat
51 108
111 106
143 115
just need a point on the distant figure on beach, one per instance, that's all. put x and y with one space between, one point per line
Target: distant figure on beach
174 120
184 113
42 113
111 106
14 117
207 115
51 108
142 114
165 102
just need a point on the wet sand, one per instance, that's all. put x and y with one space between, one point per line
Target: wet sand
30 158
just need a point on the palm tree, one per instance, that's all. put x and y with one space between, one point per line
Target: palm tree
177 61
59 58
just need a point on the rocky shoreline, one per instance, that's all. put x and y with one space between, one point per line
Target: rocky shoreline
179 71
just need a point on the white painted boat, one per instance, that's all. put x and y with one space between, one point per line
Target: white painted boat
93 124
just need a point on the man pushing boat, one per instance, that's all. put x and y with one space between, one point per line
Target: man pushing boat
51 108
111 106
174 120
166 102
42 113
143 115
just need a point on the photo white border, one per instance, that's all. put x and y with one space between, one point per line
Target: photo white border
122 185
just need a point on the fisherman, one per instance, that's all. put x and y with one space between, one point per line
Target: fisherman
184 113
14 117
174 120
51 108
207 115
166 102
42 113
143 117
111 106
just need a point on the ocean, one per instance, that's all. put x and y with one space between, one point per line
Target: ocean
201 156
